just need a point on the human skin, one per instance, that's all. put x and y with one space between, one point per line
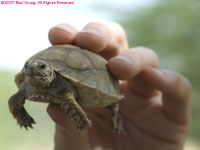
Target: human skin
156 107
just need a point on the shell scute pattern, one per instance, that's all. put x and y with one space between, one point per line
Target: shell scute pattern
71 77
81 67
76 60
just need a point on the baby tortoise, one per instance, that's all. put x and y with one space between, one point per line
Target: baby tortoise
69 76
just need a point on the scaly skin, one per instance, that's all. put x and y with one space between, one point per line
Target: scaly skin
75 112
60 91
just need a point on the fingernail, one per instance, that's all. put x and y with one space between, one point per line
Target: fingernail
90 31
63 27
125 59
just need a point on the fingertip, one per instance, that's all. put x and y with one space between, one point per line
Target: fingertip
62 34
120 67
105 38
132 62
93 37
91 41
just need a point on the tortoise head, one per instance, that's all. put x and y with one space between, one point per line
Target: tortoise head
38 73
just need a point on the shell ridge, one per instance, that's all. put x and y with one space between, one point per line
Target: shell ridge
100 91
94 68
83 53
63 60
66 55
83 70
80 75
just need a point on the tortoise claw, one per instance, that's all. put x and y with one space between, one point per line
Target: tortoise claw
26 122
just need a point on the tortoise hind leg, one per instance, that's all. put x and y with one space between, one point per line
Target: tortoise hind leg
75 112
117 125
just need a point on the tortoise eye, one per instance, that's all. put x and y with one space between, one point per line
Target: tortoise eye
43 66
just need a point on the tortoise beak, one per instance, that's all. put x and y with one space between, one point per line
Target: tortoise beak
29 72
31 69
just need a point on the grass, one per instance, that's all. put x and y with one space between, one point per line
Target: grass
41 137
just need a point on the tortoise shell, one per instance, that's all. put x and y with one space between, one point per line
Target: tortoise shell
86 70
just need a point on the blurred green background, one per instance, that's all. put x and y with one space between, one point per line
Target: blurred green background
171 28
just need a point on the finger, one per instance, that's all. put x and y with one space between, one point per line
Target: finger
176 92
60 117
107 39
66 134
132 62
62 34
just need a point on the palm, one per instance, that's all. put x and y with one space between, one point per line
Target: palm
144 122
153 120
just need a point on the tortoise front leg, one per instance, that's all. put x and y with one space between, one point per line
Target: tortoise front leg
16 106
75 112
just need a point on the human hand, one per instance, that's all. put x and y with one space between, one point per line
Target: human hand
156 107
